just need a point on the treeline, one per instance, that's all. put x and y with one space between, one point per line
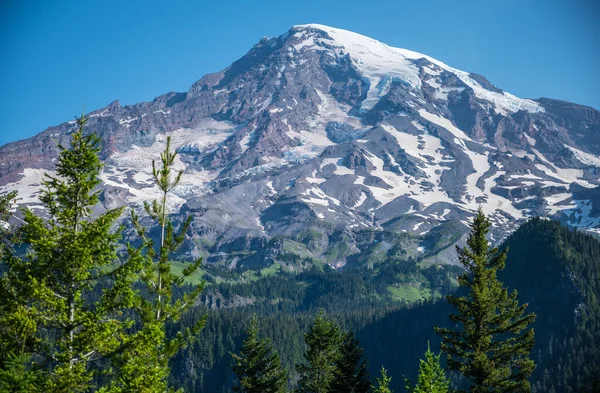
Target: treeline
335 291
333 362
556 271
487 345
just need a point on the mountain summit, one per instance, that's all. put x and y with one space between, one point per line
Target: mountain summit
325 143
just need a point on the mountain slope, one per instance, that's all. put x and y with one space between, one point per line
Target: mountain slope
322 134
556 271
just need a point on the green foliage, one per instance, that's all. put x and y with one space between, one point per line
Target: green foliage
6 202
15 325
383 383
322 354
336 363
286 304
432 378
144 365
257 367
351 374
557 272
63 297
19 374
492 344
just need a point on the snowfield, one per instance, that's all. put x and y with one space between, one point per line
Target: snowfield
378 61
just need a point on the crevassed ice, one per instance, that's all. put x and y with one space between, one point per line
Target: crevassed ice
376 60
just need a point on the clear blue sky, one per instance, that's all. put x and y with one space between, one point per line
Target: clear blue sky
56 56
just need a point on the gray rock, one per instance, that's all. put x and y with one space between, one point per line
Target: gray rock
309 143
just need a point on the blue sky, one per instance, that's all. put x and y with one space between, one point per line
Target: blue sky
57 56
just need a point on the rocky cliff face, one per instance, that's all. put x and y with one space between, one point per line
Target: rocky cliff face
320 139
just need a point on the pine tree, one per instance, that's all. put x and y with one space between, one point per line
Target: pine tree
257 367
144 366
351 374
492 343
322 353
69 255
432 378
383 383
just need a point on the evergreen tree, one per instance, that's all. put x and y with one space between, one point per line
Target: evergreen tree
322 353
383 383
351 375
6 202
144 366
17 372
257 367
64 293
491 346
432 378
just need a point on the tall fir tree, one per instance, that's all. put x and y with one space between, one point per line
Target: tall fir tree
493 339
66 289
383 383
322 354
351 373
257 366
144 365
432 378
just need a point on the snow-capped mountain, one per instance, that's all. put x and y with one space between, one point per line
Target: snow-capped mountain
325 142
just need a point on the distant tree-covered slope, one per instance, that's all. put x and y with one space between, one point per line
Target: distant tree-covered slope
555 270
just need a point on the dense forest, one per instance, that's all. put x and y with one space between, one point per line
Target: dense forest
80 310
554 269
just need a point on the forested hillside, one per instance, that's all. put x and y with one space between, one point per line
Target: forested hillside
555 270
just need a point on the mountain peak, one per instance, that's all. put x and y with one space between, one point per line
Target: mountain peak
325 131
381 63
